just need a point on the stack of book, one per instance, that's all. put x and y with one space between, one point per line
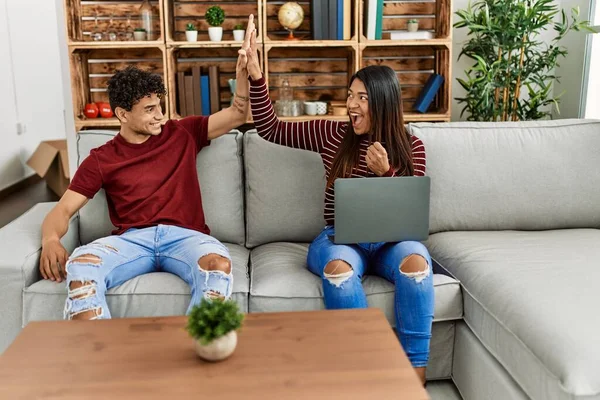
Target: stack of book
198 94
373 24
331 19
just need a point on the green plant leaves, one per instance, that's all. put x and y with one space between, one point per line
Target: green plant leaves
212 319
512 72
215 16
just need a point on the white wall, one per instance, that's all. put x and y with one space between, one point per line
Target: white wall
592 91
571 69
11 167
29 61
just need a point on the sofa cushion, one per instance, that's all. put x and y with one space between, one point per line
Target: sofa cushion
219 172
280 281
532 300
155 294
495 176
285 192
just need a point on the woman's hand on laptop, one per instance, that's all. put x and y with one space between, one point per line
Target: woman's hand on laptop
377 159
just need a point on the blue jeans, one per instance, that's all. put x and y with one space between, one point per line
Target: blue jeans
110 261
413 303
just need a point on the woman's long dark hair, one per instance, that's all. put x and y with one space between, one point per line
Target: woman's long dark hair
387 125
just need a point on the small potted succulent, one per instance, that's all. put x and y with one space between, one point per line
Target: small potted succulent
213 324
191 33
238 33
139 34
215 16
413 25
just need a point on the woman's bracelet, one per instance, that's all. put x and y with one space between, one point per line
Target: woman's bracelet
243 98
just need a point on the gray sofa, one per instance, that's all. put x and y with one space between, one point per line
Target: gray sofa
515 212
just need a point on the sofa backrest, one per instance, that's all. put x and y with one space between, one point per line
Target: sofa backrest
285 191
221 183
522 176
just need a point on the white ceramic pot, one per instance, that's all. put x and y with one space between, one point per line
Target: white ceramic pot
238 35
413 26
191 36
215 33
219 349
139 36
310 108
321 107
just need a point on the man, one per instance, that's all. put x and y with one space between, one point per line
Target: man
149 174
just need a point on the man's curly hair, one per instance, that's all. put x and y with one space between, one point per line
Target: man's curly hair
130 85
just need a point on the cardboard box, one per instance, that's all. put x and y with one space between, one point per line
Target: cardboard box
51 161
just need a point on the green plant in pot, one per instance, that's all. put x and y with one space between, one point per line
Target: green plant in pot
512 74
215 16
412 25
213 324
139 34
238 33
191 33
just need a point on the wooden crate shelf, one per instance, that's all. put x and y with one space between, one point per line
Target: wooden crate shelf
92 68
413 66
434 16
181 12
275 33
313 117
81 16
313 73
442 42
316 69
183 59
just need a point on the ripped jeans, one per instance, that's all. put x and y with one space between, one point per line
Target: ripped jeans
110 261
413 303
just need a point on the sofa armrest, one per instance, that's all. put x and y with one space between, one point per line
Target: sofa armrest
20 249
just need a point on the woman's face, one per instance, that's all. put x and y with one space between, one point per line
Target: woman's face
358 107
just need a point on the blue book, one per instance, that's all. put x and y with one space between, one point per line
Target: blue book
379 23
333 20
317 24
205 91
340 20
432 86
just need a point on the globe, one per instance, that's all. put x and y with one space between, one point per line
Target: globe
290 17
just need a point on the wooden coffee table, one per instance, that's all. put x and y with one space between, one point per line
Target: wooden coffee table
346 354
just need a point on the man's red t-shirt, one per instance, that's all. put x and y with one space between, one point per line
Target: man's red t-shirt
152 183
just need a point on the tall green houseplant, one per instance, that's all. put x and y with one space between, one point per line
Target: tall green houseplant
513 71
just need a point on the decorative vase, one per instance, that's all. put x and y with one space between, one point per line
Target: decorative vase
413 26
191 36
215 33
238 35
219 349
232 87
147 16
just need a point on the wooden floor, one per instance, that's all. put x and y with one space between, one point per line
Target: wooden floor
15 204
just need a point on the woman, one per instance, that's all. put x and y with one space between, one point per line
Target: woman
375 143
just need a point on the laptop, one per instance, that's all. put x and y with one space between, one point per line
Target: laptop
369 210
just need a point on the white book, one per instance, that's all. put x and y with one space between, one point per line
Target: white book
371 18
404 35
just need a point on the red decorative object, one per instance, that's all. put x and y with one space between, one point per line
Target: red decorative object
91 110
105 110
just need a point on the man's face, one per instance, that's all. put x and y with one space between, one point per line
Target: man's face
145 116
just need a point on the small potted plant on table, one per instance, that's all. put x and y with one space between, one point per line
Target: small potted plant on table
215 17
213 324
191 33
